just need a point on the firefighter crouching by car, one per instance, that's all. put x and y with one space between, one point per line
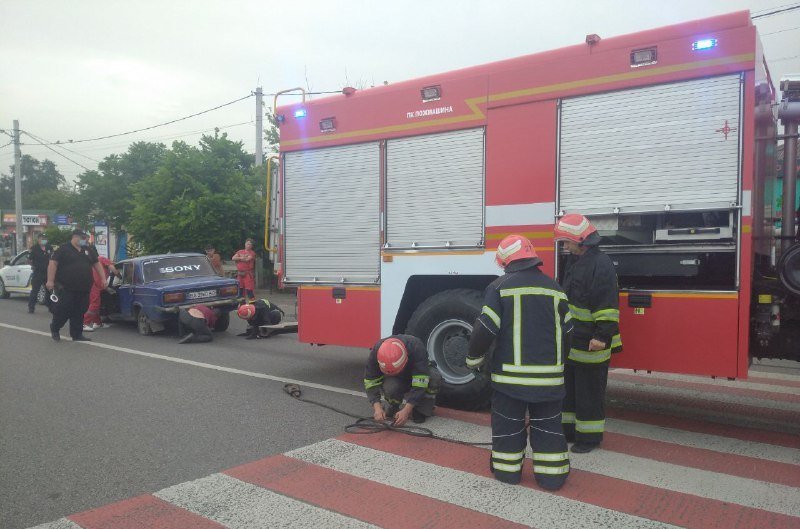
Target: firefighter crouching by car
590 282
199 320
526 315
398 368
261 312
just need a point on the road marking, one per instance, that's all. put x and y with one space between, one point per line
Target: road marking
61 523
340 492
204 365
239 505
612 494
141 511
523 505
774 497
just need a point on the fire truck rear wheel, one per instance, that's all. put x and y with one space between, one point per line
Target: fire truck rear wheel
444 323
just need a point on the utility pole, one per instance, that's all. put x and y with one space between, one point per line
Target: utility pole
18 188
259 128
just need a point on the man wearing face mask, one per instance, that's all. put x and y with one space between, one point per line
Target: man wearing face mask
40 258
71 268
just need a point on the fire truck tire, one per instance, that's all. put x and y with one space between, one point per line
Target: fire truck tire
444 323
223 321
789 269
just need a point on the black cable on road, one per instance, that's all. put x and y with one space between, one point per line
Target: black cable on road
368 425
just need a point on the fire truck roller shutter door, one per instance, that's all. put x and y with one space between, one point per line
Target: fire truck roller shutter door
332 214
444 323
642 149
434 190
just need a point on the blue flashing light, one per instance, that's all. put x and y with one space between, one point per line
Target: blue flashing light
300 113
704 44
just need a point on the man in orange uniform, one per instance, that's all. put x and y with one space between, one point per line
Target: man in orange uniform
245 266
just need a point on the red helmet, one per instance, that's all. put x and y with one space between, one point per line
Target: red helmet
392 356
513 248
573 227
246 311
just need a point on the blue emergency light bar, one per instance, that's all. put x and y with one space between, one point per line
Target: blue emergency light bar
704 44
300 113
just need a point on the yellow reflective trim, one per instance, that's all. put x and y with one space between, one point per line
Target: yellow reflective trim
532 291
372 382
538 469
590 357
492 315
508 456
533 369
568 317
507 468
590 426
616 341
556 301
568 417
606 315
517 329
580 314
550 456
420 381
520 381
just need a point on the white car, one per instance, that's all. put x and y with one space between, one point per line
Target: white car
15 277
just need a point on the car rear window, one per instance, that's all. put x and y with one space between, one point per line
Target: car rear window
176 268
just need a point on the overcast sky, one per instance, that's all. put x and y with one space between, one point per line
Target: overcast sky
89 68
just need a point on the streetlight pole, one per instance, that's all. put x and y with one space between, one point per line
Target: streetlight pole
18 188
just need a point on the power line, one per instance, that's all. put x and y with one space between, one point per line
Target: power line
781 31
58 153
777 11
7 144
43 142
771 8
153 138
158 125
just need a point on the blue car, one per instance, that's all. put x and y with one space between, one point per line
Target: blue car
152 289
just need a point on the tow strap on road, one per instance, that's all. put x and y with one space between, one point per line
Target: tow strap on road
368 425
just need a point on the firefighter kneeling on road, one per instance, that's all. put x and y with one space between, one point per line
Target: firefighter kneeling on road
590 282
258 313
527 316
199 320
398 368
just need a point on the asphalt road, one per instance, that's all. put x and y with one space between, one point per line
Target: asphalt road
82 425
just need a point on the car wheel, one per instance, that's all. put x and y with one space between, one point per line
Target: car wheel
143 323
3 292
223 321
444 324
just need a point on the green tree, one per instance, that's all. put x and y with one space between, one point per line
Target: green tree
107 193
199 195
37 177
56 236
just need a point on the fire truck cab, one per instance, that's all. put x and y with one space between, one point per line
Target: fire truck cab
392 199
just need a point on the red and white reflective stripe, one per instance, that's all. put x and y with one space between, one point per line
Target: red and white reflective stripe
510 250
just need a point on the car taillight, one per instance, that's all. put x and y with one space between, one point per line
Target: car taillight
174 297
229 291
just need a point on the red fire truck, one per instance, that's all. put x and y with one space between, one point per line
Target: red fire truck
392 199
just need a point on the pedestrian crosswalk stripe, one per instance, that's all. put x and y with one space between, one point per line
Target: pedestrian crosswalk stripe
239 505
523 505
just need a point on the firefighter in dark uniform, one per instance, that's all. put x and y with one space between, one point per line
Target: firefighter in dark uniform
398 369
199 319
527 316
40 259
260 312
590 282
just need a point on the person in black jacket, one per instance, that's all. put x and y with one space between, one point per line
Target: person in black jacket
526 315
40 258
398 369
590 282
260 312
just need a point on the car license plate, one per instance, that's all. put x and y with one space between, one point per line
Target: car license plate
202 294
